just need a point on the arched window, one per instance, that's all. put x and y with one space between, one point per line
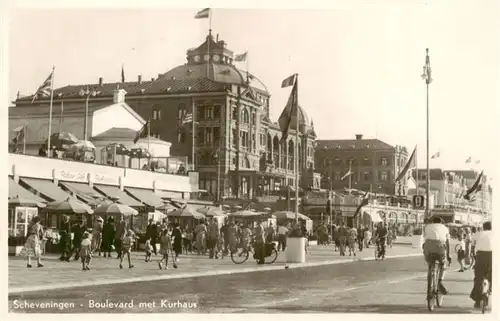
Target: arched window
245 117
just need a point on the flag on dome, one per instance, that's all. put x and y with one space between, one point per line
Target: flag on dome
45 89
288 118
241 57
203 14
436 155
409 165
468 160
289 81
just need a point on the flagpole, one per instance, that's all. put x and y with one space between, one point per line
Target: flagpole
50 109
416 179
61 117
350 174
193 134
297 128
25 129
248 63
209 40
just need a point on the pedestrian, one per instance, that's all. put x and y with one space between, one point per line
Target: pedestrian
78 230
32 244
188 240
246 238
177 242
342 235
65 239
212 238
352 238
282 232
86 251
225 237
232 236
483 245
461 253
201 238
126 244
121 231
390 237
361 235
152 233
367 237
148 248
97 235
270 233
165 249
108 237
259 247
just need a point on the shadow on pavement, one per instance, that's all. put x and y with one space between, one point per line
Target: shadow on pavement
371 308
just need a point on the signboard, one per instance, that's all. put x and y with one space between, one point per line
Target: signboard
418 201
64 175
103 179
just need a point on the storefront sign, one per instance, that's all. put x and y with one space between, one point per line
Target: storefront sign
71 176
104 179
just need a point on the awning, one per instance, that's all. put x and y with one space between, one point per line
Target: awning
146 196
17 190
84 191
46 188
169 194
374 215
114 191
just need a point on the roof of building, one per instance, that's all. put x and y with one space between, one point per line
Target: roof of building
41 110
350 144
467 174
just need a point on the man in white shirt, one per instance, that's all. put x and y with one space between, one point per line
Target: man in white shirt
437 247
282 231
482 245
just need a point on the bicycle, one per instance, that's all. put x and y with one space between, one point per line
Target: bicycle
241 255
433 293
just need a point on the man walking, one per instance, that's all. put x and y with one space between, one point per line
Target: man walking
152 232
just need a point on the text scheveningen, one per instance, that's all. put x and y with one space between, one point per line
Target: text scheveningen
23 304
165 304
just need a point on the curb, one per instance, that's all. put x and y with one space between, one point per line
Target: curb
18 290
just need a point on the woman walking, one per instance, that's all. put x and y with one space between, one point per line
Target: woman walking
108 237
97 235
201 238
32 245
177 235
65 241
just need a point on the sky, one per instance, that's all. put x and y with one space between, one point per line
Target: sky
359 64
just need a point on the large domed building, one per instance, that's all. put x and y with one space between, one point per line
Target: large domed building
236 147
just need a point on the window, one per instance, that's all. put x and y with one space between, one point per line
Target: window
209 135
209 112
233 138
245 118
217 112
384 161
383 176
217 137
254 119
366 176
156 135
156 114
201 135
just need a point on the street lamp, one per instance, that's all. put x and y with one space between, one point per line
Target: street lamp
426 76
87 92
216 156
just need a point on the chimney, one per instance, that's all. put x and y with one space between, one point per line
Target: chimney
139 79
119 96
359 136
152 78
100 81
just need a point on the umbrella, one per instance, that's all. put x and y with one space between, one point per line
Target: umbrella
211 211
120 149
237 207
186 212
166 207
288 215
61 140
21 201
70 205
83 146
139 153
243 214
115 209
267 208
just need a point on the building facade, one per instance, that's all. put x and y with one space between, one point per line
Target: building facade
215 114
374 165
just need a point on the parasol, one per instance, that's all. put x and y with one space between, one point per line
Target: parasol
288 215
115 209
70 205
211 211
62 140
139 153
186 212
82 146
21 201
120 149
243 214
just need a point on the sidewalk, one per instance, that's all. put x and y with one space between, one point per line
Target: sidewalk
62 274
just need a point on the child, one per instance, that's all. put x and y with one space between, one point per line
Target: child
126 247
149 249
461 253
165 248
86 251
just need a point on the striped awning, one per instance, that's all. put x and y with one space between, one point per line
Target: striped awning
17 190
115 192
47 188
146 196
85 192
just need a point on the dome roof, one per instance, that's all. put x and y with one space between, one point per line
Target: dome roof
222 73
303 118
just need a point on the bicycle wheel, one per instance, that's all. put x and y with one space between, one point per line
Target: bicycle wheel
239 256
431 287
271 258
439 295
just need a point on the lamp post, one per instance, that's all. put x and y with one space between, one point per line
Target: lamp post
87 93
426 76
217 159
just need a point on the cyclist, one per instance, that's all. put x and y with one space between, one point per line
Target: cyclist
380 239
482 244
437 247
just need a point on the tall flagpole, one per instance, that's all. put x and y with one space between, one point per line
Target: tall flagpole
416 175
24 137
61 117
428 79
297 148
248 63
50 109
193 136
209 40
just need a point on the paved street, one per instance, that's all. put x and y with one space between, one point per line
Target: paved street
396 285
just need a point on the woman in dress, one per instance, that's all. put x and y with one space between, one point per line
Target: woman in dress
65 242
177 235
32 245
97 235
201 238
108 237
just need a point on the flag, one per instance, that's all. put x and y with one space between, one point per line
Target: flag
288 82
475 188
288 118
468 160
19 131
142 133
188 118
364 202
478 161
45 89
203 14
241 57
409 165
123 75
436 155
349 173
